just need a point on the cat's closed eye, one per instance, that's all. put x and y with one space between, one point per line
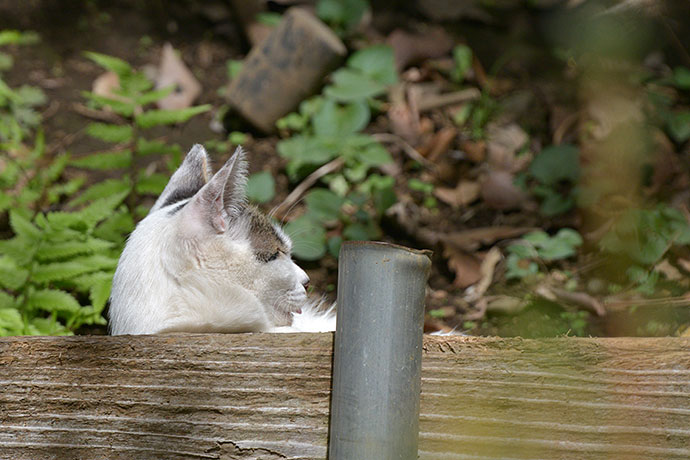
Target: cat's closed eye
272 257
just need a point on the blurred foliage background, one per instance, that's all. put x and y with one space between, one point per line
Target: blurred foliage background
540 148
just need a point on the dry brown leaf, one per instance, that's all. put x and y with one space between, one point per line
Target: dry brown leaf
503 142
669 271
465 266
684 264
173 72
581 300
475 151
505 304
439 143
486 271
412 48
499 192
465 193
106 84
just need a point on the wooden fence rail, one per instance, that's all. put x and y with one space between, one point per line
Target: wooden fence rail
266 396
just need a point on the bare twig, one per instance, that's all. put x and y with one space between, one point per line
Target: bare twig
306 184
407 148
442 100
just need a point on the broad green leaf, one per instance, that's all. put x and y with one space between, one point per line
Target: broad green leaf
6 300
556 163
308 238
111 63
333 120
462 57
152 185
109 133
679 126
99 293
323 205
569 236
152 118
343 13
303 149
376 62
334 243
554 204
518 268
350 85
358 231
681 77
369 151
101 190
53 300
104 160
30 95
261 187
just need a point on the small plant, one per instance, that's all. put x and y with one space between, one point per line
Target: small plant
329 126
56 272
556 170
523 257
342 16
132 102
576 321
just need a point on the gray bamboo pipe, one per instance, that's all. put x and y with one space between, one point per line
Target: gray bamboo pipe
378 352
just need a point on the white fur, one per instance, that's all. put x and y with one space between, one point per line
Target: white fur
195 270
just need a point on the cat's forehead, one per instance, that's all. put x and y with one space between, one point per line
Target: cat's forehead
264 235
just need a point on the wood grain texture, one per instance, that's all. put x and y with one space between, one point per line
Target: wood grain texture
266 396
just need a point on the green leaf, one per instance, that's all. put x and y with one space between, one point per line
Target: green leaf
303 149
334 243
120 107
462 56
16 37
23 227
6 300
146 147
233 68
261 187
111 63
101 190
11 321
323 205
11 276
115 227
679 126
556 163
346 14
101 208
152 185
30 95
269 18
681 77
350 85
53 300
153 96
152 118
376 62
518 268
65 249
109 133
57 271
308 238
358 231
6 62
99 293
104 160
334 120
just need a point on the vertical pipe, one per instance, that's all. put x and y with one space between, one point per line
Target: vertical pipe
378 352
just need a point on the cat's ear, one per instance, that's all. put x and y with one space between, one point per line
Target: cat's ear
190 177
223 197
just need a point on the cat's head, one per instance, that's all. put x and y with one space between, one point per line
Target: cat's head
214 244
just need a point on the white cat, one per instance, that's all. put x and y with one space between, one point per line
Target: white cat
204 261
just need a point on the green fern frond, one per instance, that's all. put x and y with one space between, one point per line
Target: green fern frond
116 227
53 300
117 65
57 271
99 294
146 147
62 250
53 171
152 185
104 160
11 275
109 133
123 108
101 208
101 190
11 322
6 300
63 220
23 227
152 118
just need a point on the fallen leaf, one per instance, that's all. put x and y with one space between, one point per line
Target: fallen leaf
173 72
669 271
486 270
439 143
499 192
465 193
106 84
474 150
684 264
502 144
581 300
466 266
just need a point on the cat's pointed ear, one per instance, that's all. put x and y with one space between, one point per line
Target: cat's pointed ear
190 177
223 197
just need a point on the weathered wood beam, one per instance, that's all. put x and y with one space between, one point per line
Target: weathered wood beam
266 396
